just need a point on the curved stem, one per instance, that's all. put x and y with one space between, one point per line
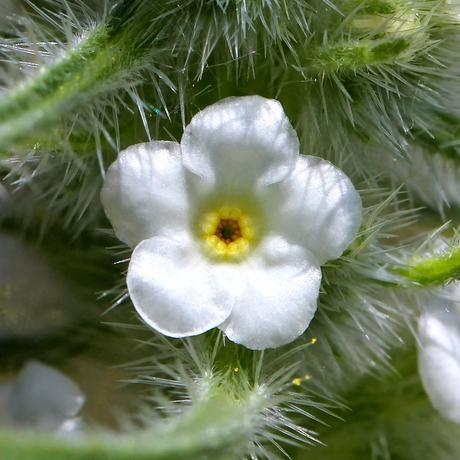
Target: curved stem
218 428
102 60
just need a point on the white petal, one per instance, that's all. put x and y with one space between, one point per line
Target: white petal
276 296
144 191
42 398
175 289
439 361
317 207
240 141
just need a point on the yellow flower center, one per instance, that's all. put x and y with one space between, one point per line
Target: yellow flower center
227 233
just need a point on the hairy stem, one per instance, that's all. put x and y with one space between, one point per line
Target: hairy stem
105 58
432 271
218 428
355 55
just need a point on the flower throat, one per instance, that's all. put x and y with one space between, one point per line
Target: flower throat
227 233
228 230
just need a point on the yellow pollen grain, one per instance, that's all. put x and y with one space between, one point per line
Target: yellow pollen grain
297 381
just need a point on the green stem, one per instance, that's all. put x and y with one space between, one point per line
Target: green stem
432 271
354 55
101 61
218 428
377 32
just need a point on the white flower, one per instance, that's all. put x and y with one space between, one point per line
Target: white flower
439 353
41 398
231 226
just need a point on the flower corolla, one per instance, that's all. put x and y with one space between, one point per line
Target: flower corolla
439 351
230 226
